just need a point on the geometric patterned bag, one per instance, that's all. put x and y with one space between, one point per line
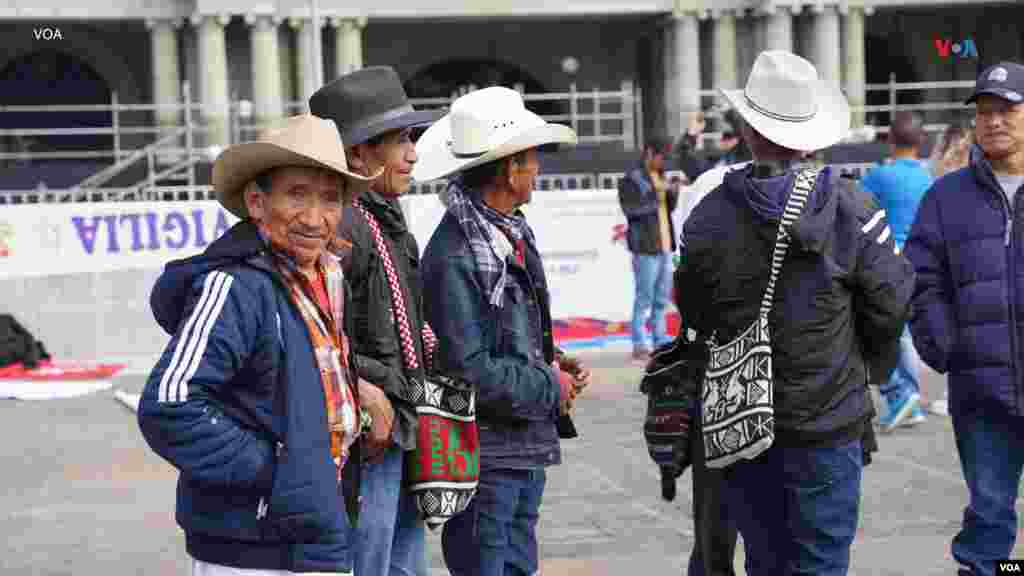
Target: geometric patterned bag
445 467
737 409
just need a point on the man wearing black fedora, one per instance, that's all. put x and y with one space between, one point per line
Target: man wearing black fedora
373 114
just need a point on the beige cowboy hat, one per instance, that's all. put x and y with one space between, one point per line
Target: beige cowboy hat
481 127
788 103
302 140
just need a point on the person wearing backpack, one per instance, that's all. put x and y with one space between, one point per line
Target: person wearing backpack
791 275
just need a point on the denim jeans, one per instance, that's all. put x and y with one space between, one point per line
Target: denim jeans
904 379
390 534
991 446
652 276
497 534
796 508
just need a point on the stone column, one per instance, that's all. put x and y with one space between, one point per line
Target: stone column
164 64
826 43
723 59
853 56
266 68
286 57
687 61
778 28
213 77
348 45
669 57
304 80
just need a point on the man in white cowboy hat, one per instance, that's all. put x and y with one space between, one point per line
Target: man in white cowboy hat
375 118
835 318
487 300
254 398
965 244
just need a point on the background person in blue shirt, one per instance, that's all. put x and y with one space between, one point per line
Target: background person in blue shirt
899 186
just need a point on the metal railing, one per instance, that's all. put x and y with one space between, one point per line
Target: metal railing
586 112
597 117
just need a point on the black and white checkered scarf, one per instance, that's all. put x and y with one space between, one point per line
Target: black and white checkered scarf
484 227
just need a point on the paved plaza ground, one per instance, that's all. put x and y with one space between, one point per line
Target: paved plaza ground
84 495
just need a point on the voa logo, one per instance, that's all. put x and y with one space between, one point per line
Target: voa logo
47 34
1008 567
965 48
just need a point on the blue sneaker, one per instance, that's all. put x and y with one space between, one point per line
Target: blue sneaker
916 417
902 409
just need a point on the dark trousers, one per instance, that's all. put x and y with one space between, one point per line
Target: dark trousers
497 534
991 446
797 508
714 549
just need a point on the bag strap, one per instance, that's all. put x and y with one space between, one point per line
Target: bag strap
803 184
397 300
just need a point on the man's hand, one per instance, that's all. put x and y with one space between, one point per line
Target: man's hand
379 437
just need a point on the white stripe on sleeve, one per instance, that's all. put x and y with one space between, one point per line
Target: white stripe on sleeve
873 222
196 332
884 236
204 336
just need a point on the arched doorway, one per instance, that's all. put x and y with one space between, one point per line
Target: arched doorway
441 79
51 78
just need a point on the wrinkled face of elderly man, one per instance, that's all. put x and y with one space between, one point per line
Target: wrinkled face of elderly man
298 209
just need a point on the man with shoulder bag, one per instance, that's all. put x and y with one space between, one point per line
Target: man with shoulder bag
391 340
791 275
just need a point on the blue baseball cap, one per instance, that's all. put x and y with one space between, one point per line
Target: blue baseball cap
1005 80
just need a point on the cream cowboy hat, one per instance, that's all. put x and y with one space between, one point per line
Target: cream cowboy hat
302 140
788 103
483 126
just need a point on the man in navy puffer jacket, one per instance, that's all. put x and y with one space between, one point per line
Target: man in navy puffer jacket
253 400
968 313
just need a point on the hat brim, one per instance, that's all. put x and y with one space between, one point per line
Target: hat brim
414 119
240 164
1008 95
829 125
436 159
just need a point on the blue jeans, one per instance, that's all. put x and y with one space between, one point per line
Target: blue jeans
991 446
390 534
497 534
903 380
797 509
652 276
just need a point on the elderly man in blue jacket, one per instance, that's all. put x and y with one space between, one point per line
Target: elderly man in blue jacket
968 313
254 399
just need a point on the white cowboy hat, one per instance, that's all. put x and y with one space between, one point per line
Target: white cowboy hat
790 105
483 126
302 140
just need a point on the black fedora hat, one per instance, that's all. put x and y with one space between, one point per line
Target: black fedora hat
368 102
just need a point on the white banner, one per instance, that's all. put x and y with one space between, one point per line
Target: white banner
51 239
579 235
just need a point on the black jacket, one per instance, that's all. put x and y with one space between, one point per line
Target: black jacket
840 306
376 340
639 202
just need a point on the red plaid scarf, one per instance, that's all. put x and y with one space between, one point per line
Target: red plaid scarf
330 347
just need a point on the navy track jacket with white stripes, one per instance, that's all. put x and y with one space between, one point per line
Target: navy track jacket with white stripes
236 405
